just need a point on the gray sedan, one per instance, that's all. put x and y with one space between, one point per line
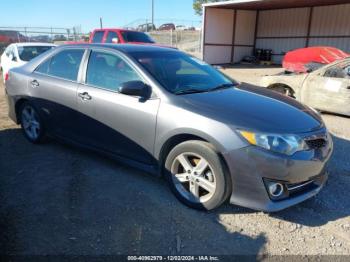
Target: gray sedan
172 115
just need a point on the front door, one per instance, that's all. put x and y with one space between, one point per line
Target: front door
116 123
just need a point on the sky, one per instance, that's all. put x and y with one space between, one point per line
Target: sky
69 13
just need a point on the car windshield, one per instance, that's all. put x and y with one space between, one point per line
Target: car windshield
130 36
27 53
182 74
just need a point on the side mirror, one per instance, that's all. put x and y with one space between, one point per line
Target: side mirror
135 88
115 40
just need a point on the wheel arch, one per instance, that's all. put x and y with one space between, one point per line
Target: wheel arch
18 105
177 139
281 84
272 85
180 138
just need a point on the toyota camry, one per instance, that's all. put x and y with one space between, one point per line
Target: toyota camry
212 138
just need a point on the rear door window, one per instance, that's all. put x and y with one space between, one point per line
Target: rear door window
109 71
43 67
110 36
64 65
27 53
98 36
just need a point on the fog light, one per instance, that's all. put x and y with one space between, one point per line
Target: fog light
275 189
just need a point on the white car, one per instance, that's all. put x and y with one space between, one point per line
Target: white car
18 54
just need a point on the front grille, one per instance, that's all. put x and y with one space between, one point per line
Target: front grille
316 143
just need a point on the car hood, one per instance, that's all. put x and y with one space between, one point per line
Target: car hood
254 108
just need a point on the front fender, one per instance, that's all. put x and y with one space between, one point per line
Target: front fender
222 136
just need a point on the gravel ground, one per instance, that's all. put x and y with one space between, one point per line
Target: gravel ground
56 199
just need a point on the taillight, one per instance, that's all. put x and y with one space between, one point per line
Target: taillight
6 76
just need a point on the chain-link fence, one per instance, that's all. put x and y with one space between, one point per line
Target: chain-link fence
187 41
182 34
55 35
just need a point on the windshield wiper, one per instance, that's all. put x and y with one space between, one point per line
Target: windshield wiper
189 91
194 91
219 87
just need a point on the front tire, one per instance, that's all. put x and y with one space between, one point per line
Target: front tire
31 123
197 176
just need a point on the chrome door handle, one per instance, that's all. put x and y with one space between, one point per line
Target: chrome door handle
84 96
34 83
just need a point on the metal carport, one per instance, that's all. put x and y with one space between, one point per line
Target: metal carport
233 29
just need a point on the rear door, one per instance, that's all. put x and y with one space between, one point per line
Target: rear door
329 89
53 86
110 121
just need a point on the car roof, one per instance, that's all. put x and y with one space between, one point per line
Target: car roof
125 48
116 29
33 44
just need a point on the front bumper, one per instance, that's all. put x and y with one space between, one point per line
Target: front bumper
249 167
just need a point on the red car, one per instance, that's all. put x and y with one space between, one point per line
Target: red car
303 59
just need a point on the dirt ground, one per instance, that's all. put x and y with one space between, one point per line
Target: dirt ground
57 199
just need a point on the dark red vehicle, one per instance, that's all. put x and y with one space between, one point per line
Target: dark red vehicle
11 36
304 59
120 36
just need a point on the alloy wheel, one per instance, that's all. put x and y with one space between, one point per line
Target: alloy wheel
30 122
193 177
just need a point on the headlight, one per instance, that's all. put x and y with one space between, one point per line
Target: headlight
284 144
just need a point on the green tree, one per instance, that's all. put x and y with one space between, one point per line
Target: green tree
197 5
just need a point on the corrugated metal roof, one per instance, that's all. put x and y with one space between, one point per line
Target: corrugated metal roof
272 4
226 3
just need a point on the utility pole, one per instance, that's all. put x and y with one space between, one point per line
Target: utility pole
101 26
152 12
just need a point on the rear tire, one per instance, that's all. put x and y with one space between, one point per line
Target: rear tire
31 123
197 175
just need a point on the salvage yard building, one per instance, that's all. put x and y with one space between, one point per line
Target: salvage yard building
234 29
